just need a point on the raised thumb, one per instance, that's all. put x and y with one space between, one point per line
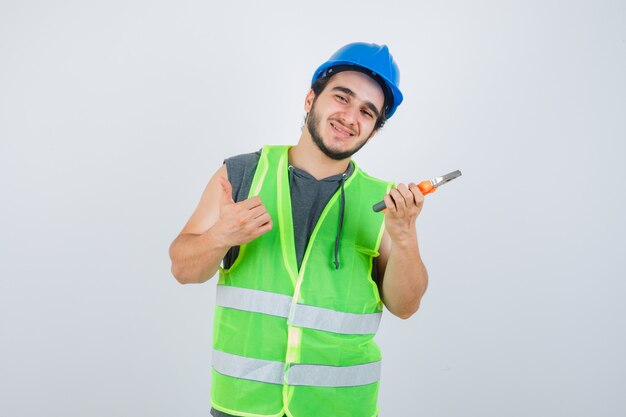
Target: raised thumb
227 191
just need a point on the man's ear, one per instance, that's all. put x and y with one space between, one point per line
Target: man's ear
308 101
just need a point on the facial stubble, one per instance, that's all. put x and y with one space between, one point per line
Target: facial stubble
312 125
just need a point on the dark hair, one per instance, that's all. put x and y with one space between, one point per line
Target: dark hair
320 84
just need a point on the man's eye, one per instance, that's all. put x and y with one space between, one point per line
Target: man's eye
341 98
367 114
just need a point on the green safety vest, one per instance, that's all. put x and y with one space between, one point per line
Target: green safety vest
301 342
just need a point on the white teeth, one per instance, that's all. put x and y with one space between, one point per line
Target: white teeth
341 130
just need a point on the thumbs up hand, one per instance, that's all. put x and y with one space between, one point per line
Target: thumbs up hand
241 222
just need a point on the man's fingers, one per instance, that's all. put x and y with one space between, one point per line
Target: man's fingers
227 191
266 227
404 199
389 203
417 193
259 216
406 194
259 226
257 211
263 219
398 198
251 203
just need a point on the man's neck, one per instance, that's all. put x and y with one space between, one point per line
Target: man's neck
308 157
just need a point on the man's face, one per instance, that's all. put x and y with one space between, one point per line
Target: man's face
342 117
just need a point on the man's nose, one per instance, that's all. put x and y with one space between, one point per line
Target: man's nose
350 115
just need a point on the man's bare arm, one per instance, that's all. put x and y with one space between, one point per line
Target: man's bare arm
217 224
403 274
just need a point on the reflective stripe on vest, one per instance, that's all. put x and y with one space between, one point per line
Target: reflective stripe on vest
334 321
247 368
333 376
272 372
253 300
303 315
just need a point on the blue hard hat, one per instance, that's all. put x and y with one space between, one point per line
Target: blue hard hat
375 60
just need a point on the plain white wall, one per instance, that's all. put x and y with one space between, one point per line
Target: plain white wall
114 115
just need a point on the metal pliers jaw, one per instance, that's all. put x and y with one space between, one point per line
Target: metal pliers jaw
436 182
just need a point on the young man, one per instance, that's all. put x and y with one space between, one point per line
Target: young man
307 263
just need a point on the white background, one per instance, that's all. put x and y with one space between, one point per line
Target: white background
114 115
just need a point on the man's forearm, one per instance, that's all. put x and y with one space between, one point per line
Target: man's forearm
196 258
405 279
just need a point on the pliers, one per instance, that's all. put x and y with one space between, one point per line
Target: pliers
426 187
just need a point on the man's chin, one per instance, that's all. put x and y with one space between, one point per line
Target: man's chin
338 154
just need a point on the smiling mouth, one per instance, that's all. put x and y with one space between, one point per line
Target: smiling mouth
341 131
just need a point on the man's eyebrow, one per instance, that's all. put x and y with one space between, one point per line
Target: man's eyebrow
349 92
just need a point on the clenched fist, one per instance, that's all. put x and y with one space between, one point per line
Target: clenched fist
404 204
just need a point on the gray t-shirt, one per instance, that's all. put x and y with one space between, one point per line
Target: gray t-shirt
309 196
